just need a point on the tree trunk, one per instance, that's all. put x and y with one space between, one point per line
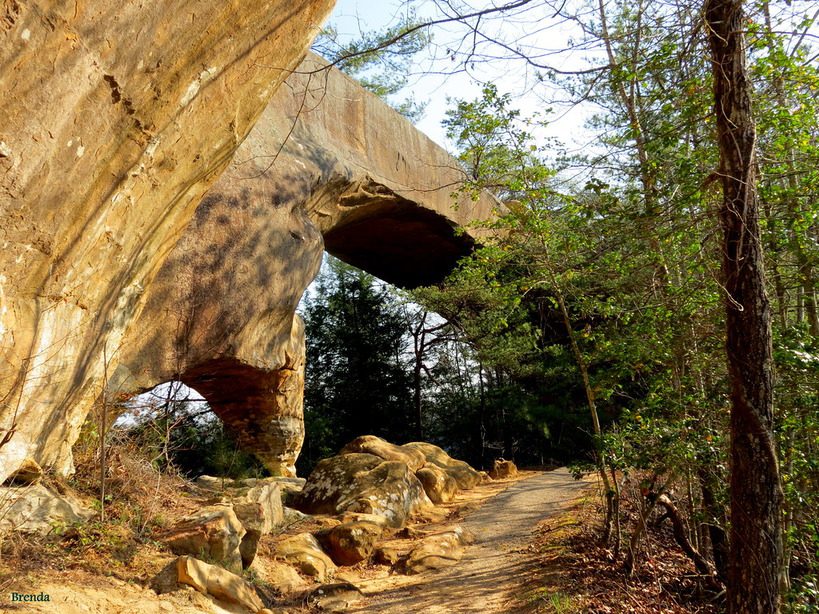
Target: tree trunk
612 505
714 514
756 497
416 400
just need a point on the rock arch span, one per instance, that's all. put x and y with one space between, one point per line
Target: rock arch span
327 163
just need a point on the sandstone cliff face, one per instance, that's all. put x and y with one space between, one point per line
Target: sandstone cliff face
127 264
115 119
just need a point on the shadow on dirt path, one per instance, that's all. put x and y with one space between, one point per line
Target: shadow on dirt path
497 567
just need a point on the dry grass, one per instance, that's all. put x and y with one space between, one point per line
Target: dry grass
140 502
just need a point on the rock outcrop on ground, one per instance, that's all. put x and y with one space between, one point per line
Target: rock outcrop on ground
436 551
213 532
34 508
370 444
304 552
502 469
464 475
363 483
130 258
374 476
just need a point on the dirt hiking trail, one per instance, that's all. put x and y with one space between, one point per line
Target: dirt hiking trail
496 568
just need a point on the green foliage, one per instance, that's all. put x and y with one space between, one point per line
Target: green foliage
179 434
628 260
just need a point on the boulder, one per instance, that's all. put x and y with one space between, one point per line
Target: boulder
370 444
214 533
502 469
363 483
281 577
438 484
436 551
217 582
373 519
485 477
292 516
212 482
260 511
350 542
27 474
288 485
304 552
336 597
461 472
36 509
389 554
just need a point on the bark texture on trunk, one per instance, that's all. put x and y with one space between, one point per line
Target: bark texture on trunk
756 497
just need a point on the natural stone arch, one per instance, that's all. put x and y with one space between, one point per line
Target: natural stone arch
261 409
303 181
214 301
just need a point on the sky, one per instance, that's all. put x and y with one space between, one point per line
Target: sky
433 82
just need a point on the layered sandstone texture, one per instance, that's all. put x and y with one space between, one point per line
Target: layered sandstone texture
126 263
115 119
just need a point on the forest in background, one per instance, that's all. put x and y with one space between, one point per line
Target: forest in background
600 316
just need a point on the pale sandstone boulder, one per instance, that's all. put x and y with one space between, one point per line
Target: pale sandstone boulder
260 511
36 509
502 469
280 576
364 483
466 477
350 542
438 484
304 552
293 516
374 519
27 474
437 551
217 582
214 533
370 444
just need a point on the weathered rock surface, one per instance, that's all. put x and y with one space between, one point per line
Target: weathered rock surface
220 583
336 597
26 474
292 516
214 533
304 552
363 483
436 551
502 469
370 444
124 257
350 542
118 121
283 578
438 484
36 509
466 477
260 511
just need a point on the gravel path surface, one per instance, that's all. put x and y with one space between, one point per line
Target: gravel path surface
496 568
